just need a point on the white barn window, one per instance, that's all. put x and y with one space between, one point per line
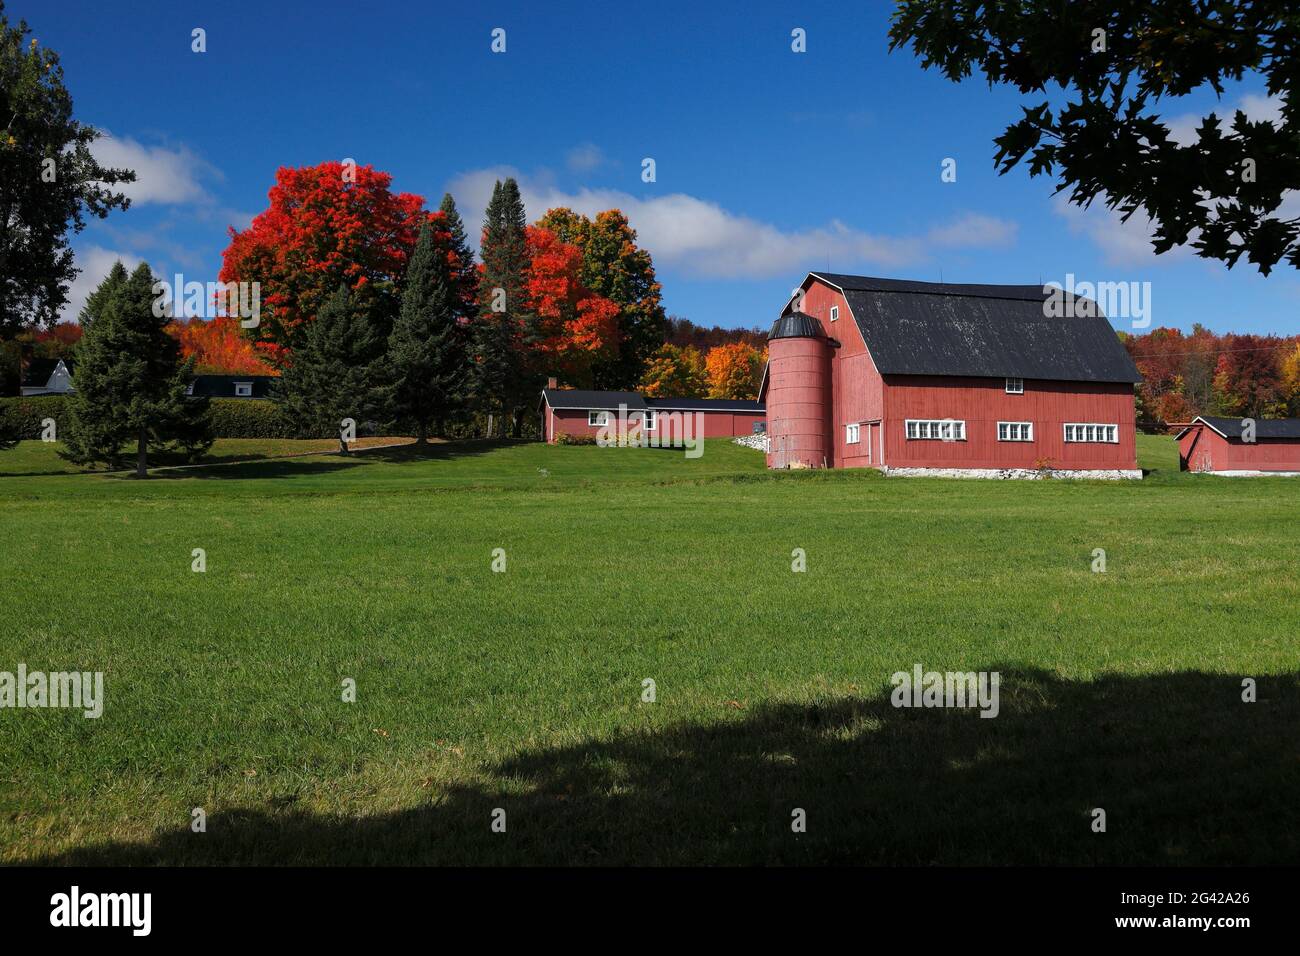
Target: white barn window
1015 386
835 313
597 419
938 429
243 390
649 423
1092 432
851 434
1015 431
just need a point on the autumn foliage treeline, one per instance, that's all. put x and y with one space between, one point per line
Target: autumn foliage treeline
568 296
1206 373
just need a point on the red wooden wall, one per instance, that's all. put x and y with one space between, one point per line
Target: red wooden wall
983 402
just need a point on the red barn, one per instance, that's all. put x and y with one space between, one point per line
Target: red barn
571 411
933 378
1226 446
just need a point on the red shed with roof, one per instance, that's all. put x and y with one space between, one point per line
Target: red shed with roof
572 411
1240 446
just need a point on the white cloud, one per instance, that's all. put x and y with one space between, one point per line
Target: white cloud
94 263
973 231
162 175
704 239
585 158
1182 129
1121 243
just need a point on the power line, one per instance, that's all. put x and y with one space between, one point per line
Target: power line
1261 348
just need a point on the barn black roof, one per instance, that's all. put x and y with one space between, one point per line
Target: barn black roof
223 386
1264 427
591 399
984 331
705 404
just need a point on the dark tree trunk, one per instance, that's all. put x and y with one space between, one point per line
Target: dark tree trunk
422 432
343 446
142 453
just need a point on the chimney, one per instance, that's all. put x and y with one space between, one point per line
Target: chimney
550 382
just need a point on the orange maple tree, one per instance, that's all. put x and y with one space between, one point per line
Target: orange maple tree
734 370
218 346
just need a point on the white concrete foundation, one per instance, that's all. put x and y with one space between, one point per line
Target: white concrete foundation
1252 474
1023 474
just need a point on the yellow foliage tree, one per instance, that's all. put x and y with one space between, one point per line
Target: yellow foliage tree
675 372
1291 380
735 370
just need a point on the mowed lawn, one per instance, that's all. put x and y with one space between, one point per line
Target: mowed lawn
521 690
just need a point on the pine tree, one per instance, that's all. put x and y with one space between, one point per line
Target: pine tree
336 371
426 361
131 382
505 331
97 300
464 276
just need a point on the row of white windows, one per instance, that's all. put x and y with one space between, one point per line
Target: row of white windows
1092 432
943 430
601 419
952 430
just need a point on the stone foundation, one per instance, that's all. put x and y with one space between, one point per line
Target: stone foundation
1023 474
1253 474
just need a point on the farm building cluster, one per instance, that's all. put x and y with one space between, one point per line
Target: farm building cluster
923 378
911 378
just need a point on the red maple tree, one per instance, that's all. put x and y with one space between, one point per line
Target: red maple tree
576 327
328 225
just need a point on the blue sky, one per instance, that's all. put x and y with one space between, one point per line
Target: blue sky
769 163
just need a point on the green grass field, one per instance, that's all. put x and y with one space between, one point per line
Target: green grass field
521 690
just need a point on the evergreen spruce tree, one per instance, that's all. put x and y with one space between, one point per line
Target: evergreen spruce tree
426 360
97 300
336 373
130 384
505 331
464 276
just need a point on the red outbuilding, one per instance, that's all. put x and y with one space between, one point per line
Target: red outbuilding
571 411
1240 446
933 378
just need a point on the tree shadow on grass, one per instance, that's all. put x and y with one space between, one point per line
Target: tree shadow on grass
247 470
439 451
1186 771
322 462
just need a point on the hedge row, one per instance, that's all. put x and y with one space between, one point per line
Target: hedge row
231 418
22 417
246 418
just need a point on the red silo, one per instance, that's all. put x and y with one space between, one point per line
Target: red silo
798 393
